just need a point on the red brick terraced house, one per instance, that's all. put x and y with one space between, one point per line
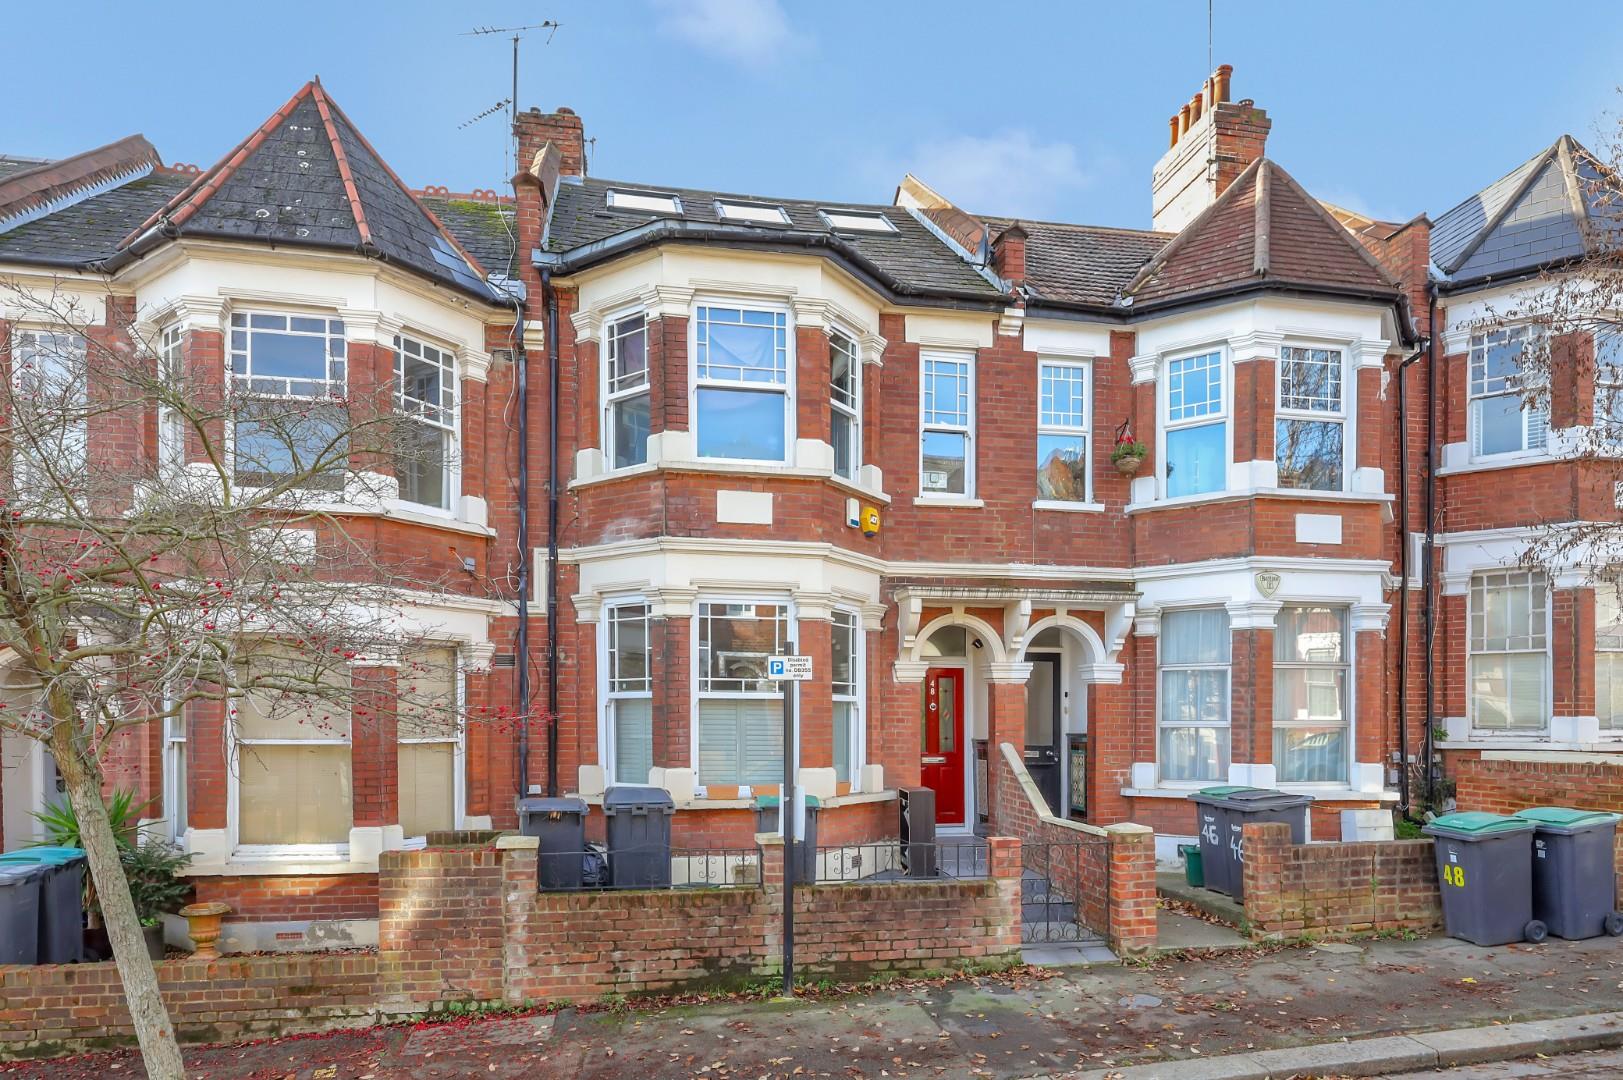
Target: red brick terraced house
881 435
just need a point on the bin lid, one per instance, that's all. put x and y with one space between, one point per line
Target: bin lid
1249 799
624 798
567 804
1476 825
1221 790
1566 819
45 856
770 802
18 872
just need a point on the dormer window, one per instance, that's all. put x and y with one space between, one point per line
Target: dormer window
857 221
754 213
655 202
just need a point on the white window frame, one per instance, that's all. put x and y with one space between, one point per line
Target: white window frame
1227 668
1471 652
851 220
751 213
852 409
856 751
1609 387
1476 349
419 412
80 432
613 396
791 616
1223 415
242 382
966 427
459 761
174 775
1347 667
652 202
786 387
607 695
171 422
1341 414
1084 432
1611 727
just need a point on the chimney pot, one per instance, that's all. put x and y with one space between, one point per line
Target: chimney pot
1173 122
1224 72
1195 105
1183 120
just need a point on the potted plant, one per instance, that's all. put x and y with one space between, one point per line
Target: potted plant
1128 455
61 824
153 870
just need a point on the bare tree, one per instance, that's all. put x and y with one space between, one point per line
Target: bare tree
135 585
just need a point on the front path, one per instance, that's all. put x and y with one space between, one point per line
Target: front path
995 1027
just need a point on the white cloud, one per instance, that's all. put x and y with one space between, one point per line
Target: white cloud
1011 172
752 33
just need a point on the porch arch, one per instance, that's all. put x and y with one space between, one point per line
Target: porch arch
990 637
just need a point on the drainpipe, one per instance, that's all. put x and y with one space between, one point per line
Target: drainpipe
522 644
551 299
1403 579
1428 581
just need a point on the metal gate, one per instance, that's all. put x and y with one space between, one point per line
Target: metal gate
1054 881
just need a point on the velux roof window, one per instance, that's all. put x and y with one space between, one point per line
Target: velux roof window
658 202
758 213
858 221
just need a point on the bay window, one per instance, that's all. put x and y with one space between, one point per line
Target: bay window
1062 431
626 393
739 725
947 431
288 376
428 730
845 404
425 397
847 669
1196 426
171 423
1310 420
1509 651
174 774
293 760
49 436
1502 422
1310 695
1194 705
742 383
629 702
1609 657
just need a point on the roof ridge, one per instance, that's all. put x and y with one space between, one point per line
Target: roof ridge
319 96
1121 229
1335 226
1535 167
59 182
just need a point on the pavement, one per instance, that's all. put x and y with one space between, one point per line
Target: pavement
1373 1008
1593 1064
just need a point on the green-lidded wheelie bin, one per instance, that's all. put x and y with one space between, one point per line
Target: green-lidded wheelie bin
61 901
1212 827
1574 871
20 888
1192 871
1485 867
1239 806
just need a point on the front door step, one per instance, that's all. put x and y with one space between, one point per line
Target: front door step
1172 885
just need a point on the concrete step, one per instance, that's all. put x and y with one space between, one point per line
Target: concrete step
1185 935
1172 884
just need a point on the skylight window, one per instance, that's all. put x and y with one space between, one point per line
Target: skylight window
858 221
759 213
658 202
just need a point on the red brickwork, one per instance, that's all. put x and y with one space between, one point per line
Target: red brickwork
1337 890
1505 787
440 928
287 899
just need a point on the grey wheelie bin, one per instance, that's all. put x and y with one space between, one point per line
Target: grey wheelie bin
19 912
61 901
1574 871
560 826
639 833
766 821
1485 867
1223 814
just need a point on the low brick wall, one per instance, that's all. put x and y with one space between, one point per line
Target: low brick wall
1337 890
1108 873
466 924
63 1008
284 898
1505 786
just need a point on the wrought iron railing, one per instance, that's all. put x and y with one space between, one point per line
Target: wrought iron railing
891 860
657 867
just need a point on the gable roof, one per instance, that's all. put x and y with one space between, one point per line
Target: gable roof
308 178
1264 230
911 259
1551 208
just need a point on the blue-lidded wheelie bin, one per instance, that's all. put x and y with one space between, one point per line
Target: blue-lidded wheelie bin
61 902
19 912
1485 867
1575 871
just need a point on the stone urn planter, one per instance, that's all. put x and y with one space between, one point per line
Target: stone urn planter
203 926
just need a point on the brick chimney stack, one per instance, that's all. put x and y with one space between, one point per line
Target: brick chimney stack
1213 140
1009 254
534 129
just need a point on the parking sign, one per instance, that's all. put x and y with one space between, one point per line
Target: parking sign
788 668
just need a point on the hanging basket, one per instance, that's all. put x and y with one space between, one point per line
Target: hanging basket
1128 464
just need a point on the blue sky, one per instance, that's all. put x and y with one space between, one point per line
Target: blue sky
1042 109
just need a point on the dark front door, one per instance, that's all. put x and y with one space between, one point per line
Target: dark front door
1043 714
942 764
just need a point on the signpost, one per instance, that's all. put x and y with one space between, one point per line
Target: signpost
788 670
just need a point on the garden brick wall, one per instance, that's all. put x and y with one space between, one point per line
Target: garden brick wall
1337 890
466 924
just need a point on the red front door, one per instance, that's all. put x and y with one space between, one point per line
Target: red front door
943 761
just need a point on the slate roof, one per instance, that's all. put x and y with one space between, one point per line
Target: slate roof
1557 205
1082 264
90 230
912 255
483 227
308 178
1263 229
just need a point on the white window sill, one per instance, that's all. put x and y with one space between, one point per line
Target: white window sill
1607 745
833 802
292 866
958 501
1320 792
1069 507
733 468
1501 461
1263 493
